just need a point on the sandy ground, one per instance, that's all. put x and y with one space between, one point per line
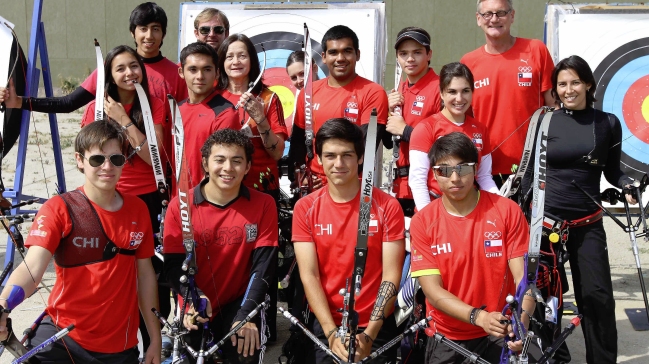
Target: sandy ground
40 179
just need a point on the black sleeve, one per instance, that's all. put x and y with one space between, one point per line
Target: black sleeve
407 132
381 135
612 170
264 261
172 269
65 104
525 189
297 149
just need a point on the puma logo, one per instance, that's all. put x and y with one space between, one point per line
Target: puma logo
525 61
492 222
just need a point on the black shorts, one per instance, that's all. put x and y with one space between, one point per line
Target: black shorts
67 350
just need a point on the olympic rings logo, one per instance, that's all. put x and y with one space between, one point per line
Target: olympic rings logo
491 235
137 235
525 69
477 135
352 105
420 98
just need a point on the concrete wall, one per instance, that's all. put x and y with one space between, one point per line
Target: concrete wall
71 25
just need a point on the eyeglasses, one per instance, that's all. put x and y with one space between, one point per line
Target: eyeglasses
500 14
98 160
218 29
461 170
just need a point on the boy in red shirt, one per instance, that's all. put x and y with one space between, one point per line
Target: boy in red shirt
323 223
344 94
235 231
418 97
467 251
98 294
205 111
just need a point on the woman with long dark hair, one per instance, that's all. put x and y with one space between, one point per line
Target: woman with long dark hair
583 143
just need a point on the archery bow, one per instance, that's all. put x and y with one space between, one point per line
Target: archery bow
99 96
350 316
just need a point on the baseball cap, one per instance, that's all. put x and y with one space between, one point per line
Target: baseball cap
418 37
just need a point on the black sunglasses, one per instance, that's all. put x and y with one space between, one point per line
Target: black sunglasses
461 170
98 160
218 29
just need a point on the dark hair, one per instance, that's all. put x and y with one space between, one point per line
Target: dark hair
343 129
296 56
582 69
198 48
228 137
135 114
456 145
452 70
208 13
97 134
255 67
339 32
147 13
416 30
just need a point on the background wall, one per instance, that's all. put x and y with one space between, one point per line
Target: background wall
71 25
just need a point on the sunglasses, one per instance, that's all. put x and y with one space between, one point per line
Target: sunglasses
97 160
218 29
461 170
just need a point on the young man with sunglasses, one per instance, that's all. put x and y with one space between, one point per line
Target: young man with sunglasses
211 26
102 241
512 80
468 253
205 111
324 224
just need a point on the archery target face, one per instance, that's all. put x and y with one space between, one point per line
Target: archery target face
617 49
281 31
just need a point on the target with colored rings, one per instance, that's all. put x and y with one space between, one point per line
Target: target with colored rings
278 46
623 89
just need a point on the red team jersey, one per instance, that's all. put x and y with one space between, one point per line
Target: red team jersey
225 237
508 89
100 299
332 227
137 176
199 122
436 126
353 101
421 100
263 174
461 249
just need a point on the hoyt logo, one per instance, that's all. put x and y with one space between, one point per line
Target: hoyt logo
366 204
184 211
307 111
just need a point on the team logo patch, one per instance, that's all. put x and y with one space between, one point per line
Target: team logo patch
351 113
374 226
38 224
477 140
135 238
525 76
493 245
417 107
251 232
416 257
